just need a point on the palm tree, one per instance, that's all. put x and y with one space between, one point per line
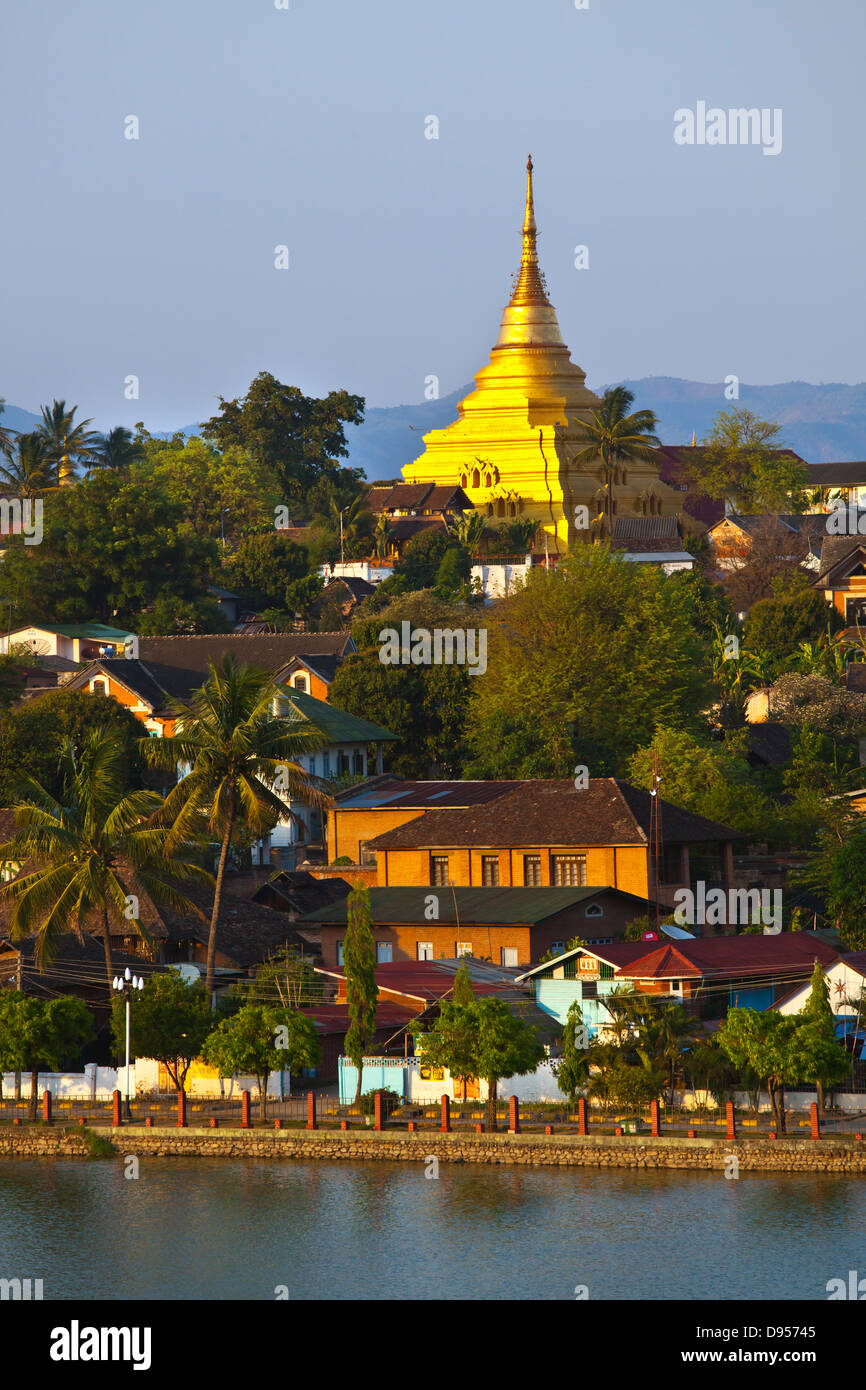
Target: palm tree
67 443
6 431
93 851
518 536
239 754
468 527
615 437
382 535
117 449
27 468
357 523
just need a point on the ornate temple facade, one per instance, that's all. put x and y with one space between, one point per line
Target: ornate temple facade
513 445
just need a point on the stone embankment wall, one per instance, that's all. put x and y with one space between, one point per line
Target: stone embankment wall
836 1155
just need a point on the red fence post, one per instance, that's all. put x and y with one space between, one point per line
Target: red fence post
655 1122
115 1109
816 1123
731 1122
513 1115
181 1109
446 1115
311 1110
378 1116
581 1115
245 1110
46 1107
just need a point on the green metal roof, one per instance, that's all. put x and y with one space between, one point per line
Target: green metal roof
97 631
497 906
336 724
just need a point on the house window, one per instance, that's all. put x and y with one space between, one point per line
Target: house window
568 870
300 683
593 910
358 761
490 870
365 854
342 764
327 763
424 950
339 953
99 688
439 870
384 952
463 948
676 987
508 955
532 870
557 948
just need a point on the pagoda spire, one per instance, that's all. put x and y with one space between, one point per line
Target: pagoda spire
529 287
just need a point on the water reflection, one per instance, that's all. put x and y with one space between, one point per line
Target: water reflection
218 1230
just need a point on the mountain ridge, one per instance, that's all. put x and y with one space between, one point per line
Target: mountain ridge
824 422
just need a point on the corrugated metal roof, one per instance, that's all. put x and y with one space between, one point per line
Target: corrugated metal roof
394 792
474 906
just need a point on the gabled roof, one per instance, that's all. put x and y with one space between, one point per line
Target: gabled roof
325 667
427 497
839 554
746 955
336 725
191 656
616 953
133 675
300 892
553 813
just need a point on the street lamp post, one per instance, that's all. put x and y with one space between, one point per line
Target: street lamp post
124 984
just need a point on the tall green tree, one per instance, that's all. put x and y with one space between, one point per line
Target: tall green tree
112 546
572 1069
463 992
264 566
31 735
359 963
92 850
259 1040
169 1020
744 460
67 443
25 466
299 438
583 662
765 1043
41 1033
483 1039
823 1060
242 761
616 436
117 449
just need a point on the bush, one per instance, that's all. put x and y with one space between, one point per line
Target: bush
390 1102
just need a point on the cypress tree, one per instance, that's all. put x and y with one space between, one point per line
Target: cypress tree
359 963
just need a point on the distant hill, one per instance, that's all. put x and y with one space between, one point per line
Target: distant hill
824 424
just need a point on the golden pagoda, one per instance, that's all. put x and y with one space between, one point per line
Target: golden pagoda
513 444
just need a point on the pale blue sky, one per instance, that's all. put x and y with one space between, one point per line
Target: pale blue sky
306 127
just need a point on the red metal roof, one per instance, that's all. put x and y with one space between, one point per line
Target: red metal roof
732 955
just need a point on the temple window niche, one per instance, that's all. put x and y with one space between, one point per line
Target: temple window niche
476 478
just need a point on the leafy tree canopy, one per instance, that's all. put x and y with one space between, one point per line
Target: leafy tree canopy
744 459
298 438
583 661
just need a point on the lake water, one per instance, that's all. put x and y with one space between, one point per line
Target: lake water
188 1229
